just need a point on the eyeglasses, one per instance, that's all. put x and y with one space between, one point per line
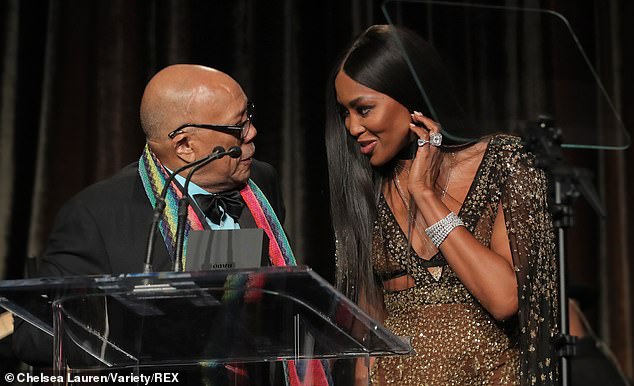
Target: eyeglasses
240 130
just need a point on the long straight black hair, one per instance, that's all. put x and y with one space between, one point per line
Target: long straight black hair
381 58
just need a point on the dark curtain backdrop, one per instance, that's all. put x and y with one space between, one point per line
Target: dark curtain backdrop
73 71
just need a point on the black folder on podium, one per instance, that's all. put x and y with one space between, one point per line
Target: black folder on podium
209 317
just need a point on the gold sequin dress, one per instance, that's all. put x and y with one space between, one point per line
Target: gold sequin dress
457 342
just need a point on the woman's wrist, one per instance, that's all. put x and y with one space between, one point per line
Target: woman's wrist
430 205
438 231
423 194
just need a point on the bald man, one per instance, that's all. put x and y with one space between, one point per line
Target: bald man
184 94
186 112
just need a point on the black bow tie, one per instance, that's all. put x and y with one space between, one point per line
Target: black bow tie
231 203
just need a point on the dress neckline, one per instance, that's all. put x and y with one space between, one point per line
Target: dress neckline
462 206
476 177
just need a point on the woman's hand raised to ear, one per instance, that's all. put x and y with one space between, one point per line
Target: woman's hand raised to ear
426 164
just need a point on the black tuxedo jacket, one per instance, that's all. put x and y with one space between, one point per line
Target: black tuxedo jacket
104 230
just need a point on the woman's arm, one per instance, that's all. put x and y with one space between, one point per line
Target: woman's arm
487 273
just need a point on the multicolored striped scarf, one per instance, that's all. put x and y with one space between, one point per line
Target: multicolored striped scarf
154 176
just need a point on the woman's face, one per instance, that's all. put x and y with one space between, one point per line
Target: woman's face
379 123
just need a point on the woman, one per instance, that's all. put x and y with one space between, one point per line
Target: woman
450 245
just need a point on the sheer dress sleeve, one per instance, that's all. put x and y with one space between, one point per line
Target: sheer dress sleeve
531 236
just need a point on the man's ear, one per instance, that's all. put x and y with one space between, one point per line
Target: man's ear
183 147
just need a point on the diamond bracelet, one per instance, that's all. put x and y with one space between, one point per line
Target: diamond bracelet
439 231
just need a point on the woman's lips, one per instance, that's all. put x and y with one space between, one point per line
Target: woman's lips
367 146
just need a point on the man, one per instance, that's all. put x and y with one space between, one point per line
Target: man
186 112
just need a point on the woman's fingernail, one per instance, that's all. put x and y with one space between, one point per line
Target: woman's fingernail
418 113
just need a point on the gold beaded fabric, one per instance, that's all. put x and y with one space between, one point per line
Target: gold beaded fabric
457 342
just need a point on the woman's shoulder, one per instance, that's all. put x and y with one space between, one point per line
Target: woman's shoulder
502 152
488 146
494 142
505 142
510 149
510 157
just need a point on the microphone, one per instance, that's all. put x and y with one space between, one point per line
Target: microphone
160 204
233 152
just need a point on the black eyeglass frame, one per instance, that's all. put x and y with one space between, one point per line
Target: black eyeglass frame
235 130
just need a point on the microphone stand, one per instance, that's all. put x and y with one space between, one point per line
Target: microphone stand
544 140
160 206
183 203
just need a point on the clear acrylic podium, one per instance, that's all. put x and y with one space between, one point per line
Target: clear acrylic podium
209 318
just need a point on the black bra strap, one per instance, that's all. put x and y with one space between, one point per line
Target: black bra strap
438 260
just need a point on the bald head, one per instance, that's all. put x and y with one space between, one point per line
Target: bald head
177 93
199 101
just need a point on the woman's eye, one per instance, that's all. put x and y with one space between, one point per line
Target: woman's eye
343 112
364 110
